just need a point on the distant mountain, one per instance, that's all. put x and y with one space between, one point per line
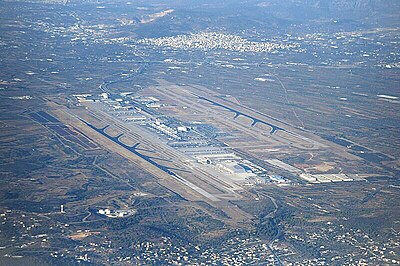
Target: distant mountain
55 2
262 13
332 8
360 6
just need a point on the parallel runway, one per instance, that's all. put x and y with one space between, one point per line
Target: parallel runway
237 113
166 169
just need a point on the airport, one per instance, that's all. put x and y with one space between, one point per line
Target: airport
217 153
